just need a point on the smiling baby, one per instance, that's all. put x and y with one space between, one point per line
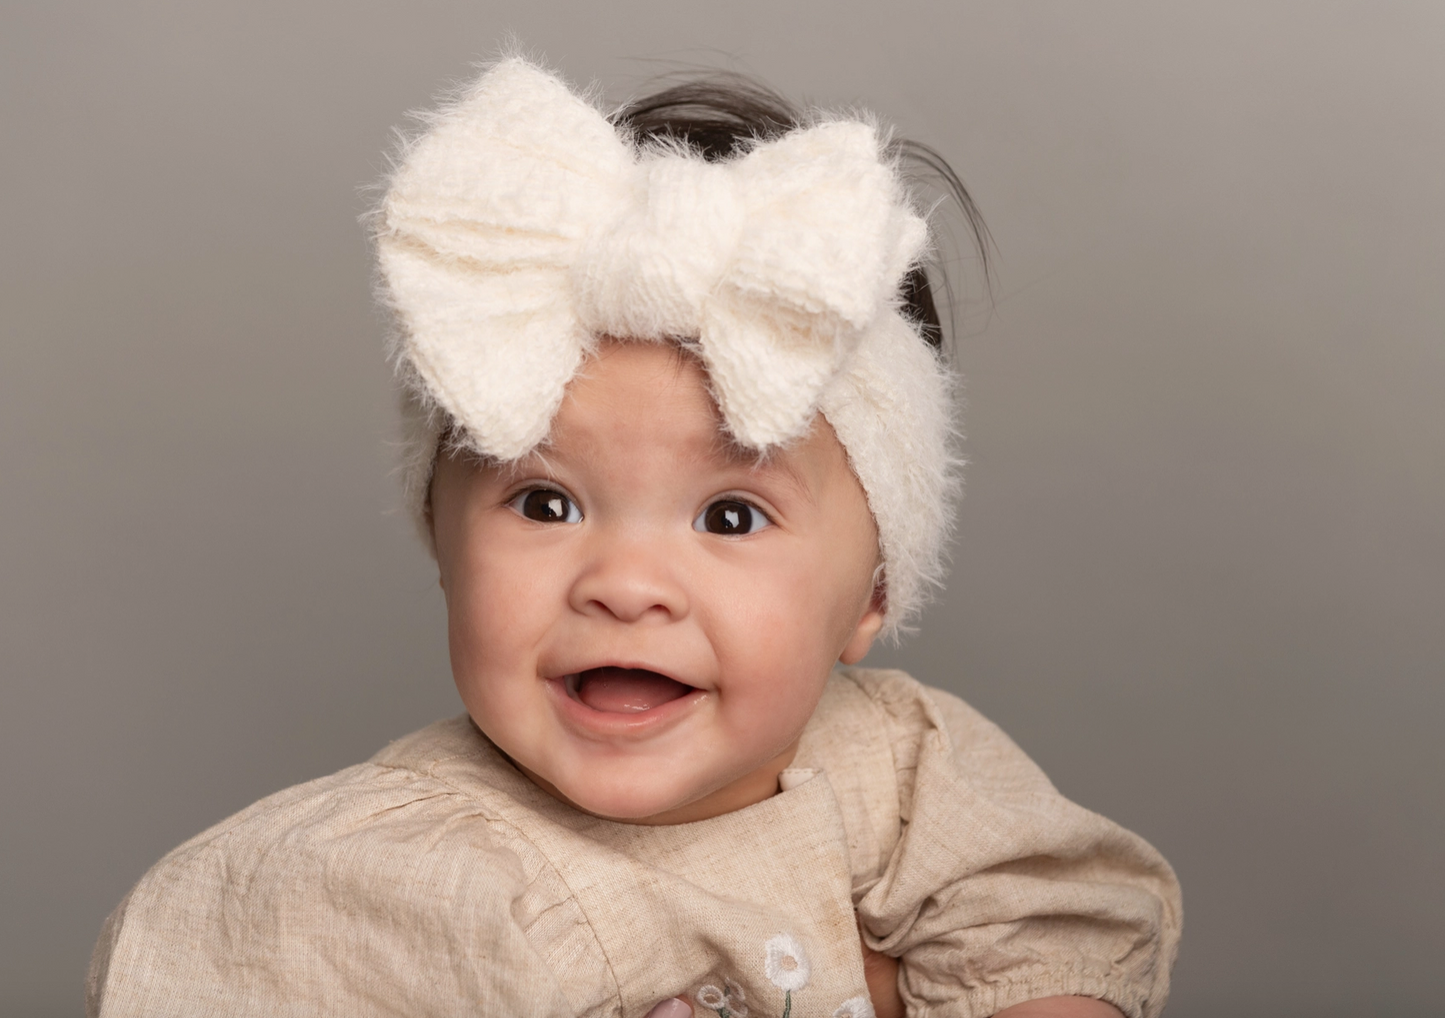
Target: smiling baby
678 436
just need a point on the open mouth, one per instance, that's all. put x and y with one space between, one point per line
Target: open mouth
624 690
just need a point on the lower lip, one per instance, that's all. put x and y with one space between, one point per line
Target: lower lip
579 715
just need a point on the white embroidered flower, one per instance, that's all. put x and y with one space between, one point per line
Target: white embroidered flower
855 1007
785 963
712 998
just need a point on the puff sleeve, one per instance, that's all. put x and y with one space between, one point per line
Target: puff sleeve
999 890
370 892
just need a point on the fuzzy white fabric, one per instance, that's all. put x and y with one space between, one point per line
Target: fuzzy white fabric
522 226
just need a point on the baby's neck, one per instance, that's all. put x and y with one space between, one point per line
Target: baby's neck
751 788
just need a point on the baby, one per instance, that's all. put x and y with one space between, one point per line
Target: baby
679 440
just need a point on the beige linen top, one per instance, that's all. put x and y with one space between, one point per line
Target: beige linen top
436 880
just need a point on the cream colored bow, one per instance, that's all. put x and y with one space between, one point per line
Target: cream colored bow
521 226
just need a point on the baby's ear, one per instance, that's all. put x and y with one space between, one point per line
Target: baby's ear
429 522
867 630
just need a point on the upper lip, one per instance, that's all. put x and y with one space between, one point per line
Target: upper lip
639 666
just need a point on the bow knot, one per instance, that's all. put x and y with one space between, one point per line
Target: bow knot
649 271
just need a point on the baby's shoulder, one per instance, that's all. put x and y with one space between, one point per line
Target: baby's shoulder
906 708
398 872
905 702
410 808
911 716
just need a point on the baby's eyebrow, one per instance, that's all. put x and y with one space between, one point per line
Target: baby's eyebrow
538 461
770 462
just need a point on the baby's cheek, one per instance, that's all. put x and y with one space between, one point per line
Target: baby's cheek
500 608
778 705
493 674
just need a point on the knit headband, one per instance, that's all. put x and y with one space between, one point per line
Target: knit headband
521 226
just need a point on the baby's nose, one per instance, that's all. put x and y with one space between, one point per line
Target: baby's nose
631 581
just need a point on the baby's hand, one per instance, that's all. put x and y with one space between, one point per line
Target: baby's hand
881 973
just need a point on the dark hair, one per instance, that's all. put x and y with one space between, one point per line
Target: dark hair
720 114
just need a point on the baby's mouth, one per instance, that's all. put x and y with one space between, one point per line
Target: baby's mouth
624 690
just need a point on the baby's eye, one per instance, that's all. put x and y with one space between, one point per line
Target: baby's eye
731 517
546 505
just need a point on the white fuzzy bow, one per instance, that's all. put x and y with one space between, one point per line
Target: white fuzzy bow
522 226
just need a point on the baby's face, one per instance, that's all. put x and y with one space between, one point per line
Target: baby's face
640 616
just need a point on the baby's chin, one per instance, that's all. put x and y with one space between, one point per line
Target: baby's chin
629 801
657 796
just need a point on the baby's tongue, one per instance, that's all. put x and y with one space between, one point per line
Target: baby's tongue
627 690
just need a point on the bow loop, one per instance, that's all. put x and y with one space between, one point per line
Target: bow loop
479 230
828 238
517 170
830 233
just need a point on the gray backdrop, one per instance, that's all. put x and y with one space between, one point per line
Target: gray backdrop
1201 563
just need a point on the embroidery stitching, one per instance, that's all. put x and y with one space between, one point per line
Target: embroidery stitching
786 965
855 1007
726 1002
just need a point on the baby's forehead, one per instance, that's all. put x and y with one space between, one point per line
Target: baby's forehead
708 445
631 389
650 407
